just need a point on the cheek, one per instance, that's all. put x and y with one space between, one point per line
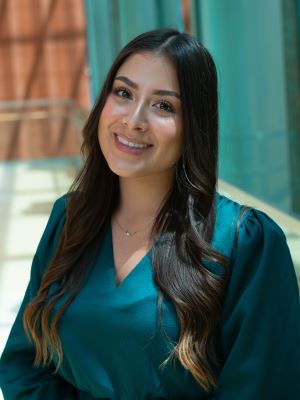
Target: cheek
107 118
170 134
106 114
111 112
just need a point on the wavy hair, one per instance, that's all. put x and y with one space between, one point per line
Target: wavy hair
186 219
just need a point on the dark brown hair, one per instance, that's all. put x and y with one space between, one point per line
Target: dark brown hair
186 219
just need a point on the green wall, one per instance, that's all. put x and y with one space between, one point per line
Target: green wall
254 54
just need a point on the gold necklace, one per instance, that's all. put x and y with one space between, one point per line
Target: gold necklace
127 232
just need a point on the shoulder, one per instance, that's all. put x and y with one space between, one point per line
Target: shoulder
60 204
228 213
260 259
57 214
49 240
53 227
236 224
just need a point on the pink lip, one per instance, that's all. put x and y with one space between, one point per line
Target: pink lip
130 139
129 150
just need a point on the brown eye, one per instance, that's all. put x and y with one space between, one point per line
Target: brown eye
122 92
163 105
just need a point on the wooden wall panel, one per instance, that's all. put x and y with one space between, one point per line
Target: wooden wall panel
42 56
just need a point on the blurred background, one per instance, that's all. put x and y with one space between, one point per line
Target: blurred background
54 55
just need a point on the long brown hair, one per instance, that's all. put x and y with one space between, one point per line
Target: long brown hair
186 219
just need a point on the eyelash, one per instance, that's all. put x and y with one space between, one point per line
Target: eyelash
170 108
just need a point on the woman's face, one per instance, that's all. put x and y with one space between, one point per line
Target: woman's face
140 127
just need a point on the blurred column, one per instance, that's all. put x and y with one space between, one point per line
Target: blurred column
246 40
101 23
291 35
112 23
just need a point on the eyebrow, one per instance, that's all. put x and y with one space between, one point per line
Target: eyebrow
159 92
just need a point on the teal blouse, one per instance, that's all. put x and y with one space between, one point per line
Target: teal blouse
112 345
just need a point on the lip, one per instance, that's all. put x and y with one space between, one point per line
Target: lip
129 150
130 139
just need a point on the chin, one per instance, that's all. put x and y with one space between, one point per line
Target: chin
124 172
129 174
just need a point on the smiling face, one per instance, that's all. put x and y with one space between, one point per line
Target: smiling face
140 127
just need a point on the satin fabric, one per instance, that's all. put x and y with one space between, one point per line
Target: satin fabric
113 344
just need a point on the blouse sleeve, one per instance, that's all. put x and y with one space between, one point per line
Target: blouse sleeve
19 379
260 329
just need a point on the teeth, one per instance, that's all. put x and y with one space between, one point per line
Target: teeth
130 144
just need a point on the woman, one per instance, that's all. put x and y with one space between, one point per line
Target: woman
148 284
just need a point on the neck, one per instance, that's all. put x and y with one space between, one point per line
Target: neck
141 198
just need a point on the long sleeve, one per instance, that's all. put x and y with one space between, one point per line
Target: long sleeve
260 329
19 379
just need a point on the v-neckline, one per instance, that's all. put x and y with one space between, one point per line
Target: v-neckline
132 271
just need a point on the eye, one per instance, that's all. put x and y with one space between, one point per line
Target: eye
122 92
164 105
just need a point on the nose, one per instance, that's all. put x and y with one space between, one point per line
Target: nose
135 119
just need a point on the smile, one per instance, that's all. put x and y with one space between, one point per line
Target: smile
131 144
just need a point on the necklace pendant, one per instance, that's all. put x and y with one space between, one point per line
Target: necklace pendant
127 233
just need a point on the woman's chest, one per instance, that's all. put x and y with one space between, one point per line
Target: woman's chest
128 311
127 252
112 334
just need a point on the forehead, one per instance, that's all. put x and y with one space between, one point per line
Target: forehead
148 69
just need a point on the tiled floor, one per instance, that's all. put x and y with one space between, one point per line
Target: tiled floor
27 191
